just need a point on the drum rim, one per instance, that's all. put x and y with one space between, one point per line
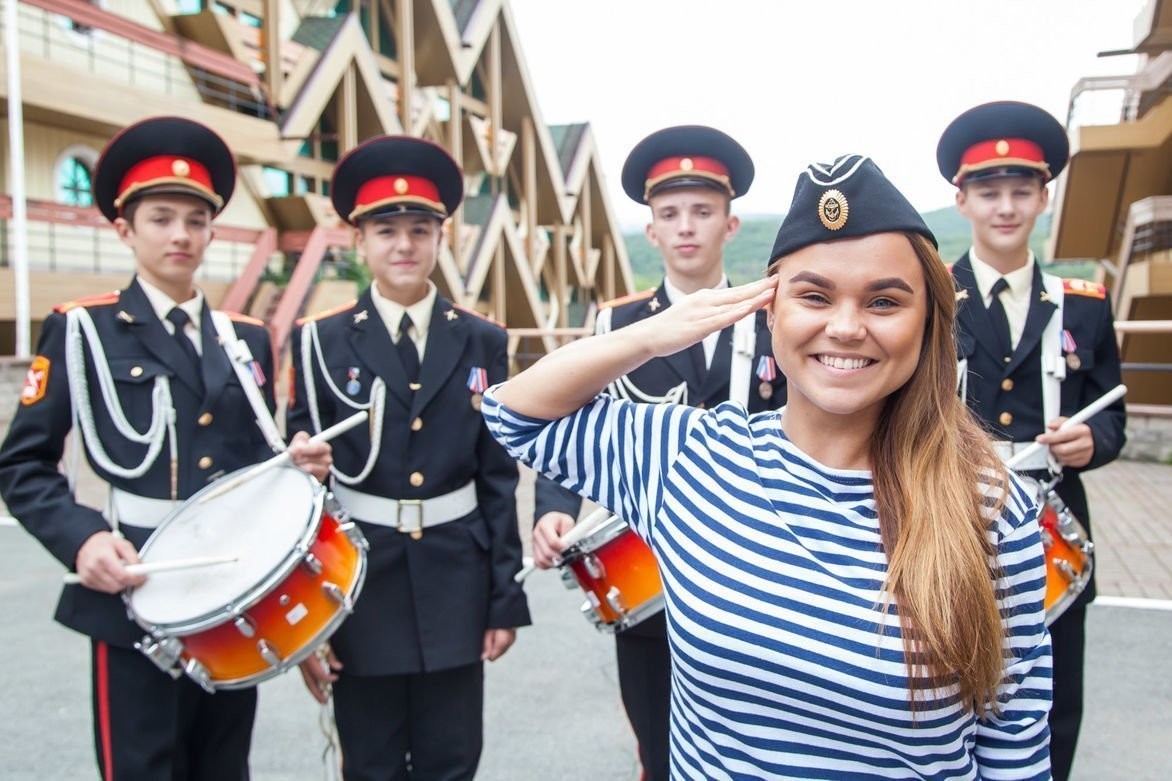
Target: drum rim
254 594
609 531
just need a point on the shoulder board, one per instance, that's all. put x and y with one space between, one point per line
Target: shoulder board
627 299
481 315
98 300
327 312
236 317
1081 287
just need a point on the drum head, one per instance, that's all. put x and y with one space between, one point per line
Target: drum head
261 522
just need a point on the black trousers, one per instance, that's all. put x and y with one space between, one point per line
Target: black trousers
1068 635
149 727
644 662
423 726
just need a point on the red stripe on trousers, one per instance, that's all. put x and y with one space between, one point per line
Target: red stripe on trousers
103 684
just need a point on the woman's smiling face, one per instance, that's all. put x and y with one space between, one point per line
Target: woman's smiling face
848 323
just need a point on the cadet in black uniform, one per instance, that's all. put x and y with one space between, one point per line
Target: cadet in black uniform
1037 351
431 490
688 176
157 345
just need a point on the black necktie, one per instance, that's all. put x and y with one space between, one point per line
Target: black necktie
179 319
406 349
1000 320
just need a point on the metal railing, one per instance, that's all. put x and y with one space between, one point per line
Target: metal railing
102 49
1110 100
73 239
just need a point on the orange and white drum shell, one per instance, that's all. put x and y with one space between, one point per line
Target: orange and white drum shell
1069 554
619 575
301 566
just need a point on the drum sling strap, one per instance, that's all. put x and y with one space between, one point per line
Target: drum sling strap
240 356
744 344
1053 365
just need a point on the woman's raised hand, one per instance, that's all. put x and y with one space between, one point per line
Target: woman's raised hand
699 314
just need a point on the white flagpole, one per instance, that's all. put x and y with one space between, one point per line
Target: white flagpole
19 256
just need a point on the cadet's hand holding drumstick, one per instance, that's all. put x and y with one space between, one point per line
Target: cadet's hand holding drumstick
101 563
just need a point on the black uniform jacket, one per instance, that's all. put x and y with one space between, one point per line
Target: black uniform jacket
656 377
138 349
426 603
1015 389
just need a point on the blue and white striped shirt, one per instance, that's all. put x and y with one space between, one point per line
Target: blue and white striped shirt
783 662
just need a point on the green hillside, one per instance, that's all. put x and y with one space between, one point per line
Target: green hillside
745 256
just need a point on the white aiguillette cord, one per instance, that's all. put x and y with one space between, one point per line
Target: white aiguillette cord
279 459
572 537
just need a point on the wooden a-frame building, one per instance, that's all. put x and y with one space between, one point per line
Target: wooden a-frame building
292 85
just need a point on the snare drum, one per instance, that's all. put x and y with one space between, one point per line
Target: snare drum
1069 553
300 566
619 575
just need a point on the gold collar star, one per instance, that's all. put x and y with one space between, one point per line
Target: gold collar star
451 315
1045 297
962 295
653 304
360 316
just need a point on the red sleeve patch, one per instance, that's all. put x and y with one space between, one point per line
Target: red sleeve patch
36 381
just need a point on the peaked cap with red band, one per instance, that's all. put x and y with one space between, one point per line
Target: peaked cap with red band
1002 139
687 156
163 156
396 175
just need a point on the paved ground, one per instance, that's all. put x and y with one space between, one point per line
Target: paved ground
552 704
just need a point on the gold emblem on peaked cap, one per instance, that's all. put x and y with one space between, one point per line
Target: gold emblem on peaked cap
180 168
833 210
686 164
401 186
1002 148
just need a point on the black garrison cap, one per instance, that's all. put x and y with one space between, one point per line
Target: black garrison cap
845 199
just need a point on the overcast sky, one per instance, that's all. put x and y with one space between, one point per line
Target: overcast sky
803 81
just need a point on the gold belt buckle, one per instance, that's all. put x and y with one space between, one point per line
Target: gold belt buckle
414 529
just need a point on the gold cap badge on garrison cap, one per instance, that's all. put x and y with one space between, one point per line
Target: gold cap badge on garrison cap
833 209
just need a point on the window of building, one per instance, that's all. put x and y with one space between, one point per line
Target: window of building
280 183
74 176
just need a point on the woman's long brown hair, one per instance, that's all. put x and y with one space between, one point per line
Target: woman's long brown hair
928 458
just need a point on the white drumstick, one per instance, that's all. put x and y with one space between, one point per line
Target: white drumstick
1087 412
264 466
573 536
150 567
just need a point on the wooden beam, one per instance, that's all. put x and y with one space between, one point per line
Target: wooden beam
347 113
529 188
271 32
405 42
495 90
456 148
561 285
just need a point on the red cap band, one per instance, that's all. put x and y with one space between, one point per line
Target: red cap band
384 190
687 168
1000 153
168 170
